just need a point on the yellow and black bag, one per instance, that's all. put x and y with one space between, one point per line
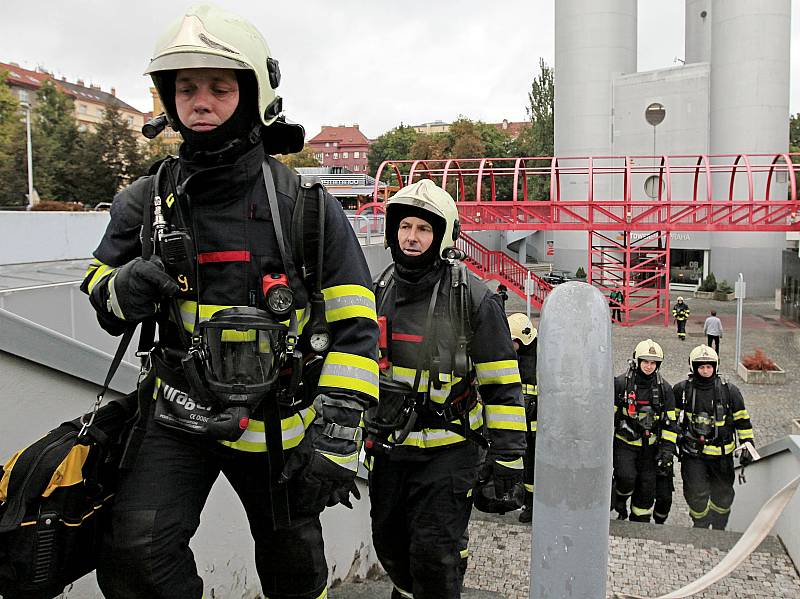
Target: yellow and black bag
54 498
55 495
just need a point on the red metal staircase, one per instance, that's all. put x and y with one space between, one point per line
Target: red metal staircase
489 264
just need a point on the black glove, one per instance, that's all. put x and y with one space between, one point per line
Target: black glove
664 461
322 469
135 289
745 458
505 471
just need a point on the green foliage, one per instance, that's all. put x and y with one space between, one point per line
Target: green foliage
392 145
710 283
304 157
580 273
13 162
794 131
111 158
725 287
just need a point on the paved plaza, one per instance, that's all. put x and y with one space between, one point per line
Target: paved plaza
644 558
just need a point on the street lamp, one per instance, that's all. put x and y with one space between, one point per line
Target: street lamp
27 107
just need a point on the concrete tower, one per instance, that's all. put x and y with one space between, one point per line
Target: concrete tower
697 31
749 113
595 40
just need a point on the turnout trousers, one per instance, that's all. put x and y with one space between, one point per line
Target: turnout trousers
708 489
634 477
420 512
157 511
665 486
681 328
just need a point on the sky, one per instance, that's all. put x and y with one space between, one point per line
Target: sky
372 62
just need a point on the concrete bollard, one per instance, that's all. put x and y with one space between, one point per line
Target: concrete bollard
573 446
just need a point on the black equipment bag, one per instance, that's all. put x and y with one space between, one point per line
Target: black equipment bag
54 500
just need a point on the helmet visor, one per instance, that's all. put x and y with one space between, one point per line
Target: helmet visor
193 60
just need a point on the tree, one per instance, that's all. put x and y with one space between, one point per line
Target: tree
13 167
304 157
537 139
111 158
794 133
392 145
55 145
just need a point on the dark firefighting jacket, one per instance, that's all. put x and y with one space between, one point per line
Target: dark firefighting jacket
680 311
227 209
723 403
641 416
493 369
526 357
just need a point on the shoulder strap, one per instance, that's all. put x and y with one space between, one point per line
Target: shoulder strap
382 286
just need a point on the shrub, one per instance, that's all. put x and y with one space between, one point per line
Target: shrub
710 284
725 287
56 205
758 361
580 273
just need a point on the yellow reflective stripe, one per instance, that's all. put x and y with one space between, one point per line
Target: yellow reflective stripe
436 437
698 515
720 510
513 464
741 415
530 389
407 375
188 308
745 433
403 593
501 372
350 371
464 553
669 436
292 432
349 461
349 301
671 415
638 442
101 271
534 424
506 417
528 488
717 450
639 511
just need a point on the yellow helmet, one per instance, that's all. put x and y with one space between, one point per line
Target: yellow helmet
209 37
521 328
703 354
427 196
648 350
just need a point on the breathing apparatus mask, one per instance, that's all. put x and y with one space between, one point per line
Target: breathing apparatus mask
233 365
394 413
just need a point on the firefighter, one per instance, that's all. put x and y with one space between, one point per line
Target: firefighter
440 325
234 327
523 336
644 432
680 312
714 419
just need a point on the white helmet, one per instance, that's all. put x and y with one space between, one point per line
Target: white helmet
522 328
703 354
428 196
648 350
680 299
209 37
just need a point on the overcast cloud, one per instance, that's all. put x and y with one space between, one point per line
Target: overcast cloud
375 63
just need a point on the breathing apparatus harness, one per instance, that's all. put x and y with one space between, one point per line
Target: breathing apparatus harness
403 408
232 361
640 419
699 430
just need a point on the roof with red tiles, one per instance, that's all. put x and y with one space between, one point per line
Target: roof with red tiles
35 79
345 136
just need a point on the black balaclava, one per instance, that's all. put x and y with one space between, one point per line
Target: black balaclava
700 381
233 137
414 267
645 379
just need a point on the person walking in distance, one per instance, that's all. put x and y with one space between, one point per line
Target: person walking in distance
712 328
680 312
